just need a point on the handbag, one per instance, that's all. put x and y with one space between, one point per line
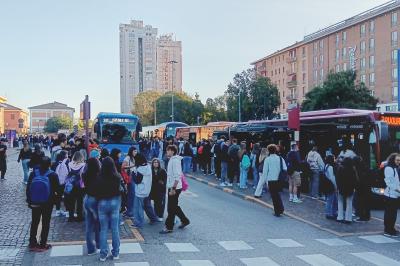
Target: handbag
283 175
185 184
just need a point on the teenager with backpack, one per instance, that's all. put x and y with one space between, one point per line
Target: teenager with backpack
245 164
90 178
36 157
73 191
61 168
41 194
25 156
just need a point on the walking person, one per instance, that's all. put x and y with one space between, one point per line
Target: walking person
90 178
109 205
158 188
316 165
61 168
346 180
25 156
41 194
273 165
331 205
392 193
128 166
293 161
174 186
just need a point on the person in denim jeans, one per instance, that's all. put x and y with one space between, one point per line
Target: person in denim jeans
224 157
128 165
187 157
109 198
317 165
331 206
25 156
90 204
255 154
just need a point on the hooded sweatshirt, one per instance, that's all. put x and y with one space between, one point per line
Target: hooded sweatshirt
143 189
174 172
73 166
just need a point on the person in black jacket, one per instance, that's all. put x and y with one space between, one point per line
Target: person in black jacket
25 156
36 157
41 211
90 179
109 197
158 188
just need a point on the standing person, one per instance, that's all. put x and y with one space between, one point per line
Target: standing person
3 158
104 153
346 180
195 157
158 188
293 160
187 157
25 156
116 155
347 151
273 165
331 205
36 157
217 156
363 190
207 157
224 158
233 165
61 168
245 164
74 187
128 166
255 154
109 204
316 164
143 181
41 194
90 178
174 186
392 193
263 155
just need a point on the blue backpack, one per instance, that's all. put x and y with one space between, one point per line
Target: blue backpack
72 181
39 190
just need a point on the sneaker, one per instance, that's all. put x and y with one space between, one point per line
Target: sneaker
291 199
121 223
115 257
103 258
230 185
95 252
222 184
33 247
159 219
58 213
66 214
165 231
314 198
296 201
394 233
45 247
183 225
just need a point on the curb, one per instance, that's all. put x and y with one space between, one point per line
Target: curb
270 206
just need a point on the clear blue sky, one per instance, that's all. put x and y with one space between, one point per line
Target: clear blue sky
61 50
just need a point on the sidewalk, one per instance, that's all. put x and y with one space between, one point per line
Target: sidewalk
310 211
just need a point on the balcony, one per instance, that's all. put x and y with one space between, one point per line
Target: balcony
292 82
292 97
291 59
291 72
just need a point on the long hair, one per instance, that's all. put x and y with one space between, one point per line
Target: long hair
93 167
108 168
391 159
263 154
153 169
77 157
114 154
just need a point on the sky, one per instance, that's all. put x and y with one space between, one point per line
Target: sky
66 49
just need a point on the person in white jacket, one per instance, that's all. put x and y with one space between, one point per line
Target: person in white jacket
392 193
174 186
142 201
273 165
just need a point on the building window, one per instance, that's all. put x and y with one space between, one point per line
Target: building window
315 75
303 51
321 74
395 92
315 47
394 74
303 65
337 68
363 78
321 45
394 56
371 44
394 18
371 61
315 63
321 60
304 78
344 37
362 63
344 53
337 55
337 40
372 26
372 78
12 116
344 66
362 47
362 30
372 92
394 38
283 105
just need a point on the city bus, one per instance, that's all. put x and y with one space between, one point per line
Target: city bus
115 130
163 131
197 133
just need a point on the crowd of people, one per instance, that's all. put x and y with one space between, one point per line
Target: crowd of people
98 187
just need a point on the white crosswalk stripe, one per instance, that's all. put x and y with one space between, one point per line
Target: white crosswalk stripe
235 245
66 251
379 239
333 242
196 263
181 247
285 243
261 261
130 248
319 260
132 264
376 259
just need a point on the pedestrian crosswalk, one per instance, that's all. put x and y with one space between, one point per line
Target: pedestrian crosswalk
199 256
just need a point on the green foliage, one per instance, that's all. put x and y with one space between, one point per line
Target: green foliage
143 106
339 90
214 110
56 123
258 97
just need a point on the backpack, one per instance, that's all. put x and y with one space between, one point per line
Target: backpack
327 186
39 190
185 184
200 149
62 170
73 181
246 162
283 175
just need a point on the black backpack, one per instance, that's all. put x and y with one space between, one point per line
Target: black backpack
327 186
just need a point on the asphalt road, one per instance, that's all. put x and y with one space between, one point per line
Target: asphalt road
218 217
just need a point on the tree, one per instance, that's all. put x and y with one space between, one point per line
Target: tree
214 110
56 123
258 97
340 90
143 106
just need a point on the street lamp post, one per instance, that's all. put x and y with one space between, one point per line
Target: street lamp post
172 62
240 109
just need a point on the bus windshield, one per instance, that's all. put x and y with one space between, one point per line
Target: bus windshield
118 130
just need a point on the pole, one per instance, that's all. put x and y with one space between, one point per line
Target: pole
172 62
86 110
155 112
240 109
398 79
